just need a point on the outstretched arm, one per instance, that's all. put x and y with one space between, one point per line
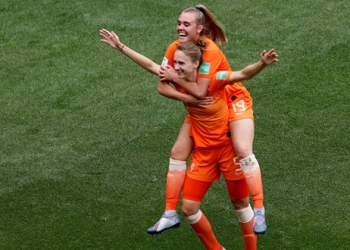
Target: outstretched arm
266 58
110 38
164 88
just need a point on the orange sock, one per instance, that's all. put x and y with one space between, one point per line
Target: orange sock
249 237
246 218
251 169
204 231
174 183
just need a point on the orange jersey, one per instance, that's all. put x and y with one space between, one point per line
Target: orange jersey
213 151
209 126
213 60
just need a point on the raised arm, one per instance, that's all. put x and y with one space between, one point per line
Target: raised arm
266 58
110 38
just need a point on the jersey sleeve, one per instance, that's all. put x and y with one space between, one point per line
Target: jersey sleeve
169 60
214 60
221 79
169 54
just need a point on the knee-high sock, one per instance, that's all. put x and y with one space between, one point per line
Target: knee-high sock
204 231
174 183
246 218
251 169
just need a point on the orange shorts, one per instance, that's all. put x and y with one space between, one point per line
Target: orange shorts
195 190
188 119
207 164
240 103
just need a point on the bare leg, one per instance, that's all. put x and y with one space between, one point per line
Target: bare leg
179 154
183 145
243 136
242 139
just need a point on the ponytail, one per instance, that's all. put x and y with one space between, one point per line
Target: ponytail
202 44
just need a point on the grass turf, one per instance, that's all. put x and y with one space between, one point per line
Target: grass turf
85 137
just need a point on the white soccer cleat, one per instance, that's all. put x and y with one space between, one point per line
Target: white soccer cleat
166 222
259 221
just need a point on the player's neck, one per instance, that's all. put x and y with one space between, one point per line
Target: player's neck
192 78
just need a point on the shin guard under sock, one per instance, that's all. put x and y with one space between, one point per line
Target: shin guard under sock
251 169
246 218
174 183
204 231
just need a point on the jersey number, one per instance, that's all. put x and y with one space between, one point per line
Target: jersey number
239 107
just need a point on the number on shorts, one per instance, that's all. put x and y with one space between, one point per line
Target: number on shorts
239 107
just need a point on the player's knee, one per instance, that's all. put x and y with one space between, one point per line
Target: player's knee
175 152
180 153
187 210
242 150
189 207
240 204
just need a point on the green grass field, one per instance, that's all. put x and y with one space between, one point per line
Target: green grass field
85 137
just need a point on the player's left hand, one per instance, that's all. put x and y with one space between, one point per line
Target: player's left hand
269 57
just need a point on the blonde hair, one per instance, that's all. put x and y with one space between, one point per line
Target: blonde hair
213 29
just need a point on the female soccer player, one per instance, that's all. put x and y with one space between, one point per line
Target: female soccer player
213 150
194 24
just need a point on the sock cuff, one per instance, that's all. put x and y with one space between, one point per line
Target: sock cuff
177 165
193 219
249 163
245 215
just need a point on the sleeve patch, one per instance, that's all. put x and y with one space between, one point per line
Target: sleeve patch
204 68
221 75
165 61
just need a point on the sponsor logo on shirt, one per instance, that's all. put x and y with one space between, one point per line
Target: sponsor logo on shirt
221 75
165 61
205 68
193 165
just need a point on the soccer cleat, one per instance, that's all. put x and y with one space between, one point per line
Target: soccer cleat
259 221
166 222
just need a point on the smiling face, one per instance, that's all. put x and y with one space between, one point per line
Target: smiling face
184 66
187 27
